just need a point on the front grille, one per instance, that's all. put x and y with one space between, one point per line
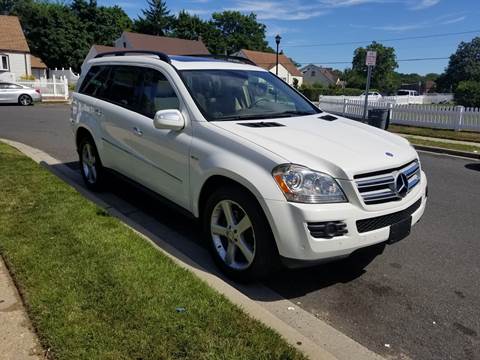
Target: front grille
382 186
386 220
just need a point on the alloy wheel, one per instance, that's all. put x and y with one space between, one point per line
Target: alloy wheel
233 235
25 100
89 163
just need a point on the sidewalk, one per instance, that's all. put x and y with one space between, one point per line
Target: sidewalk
447 141
17 338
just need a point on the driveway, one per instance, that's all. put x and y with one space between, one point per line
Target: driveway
420 299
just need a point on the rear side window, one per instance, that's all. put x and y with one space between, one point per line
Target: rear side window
95 81
124 86
157 94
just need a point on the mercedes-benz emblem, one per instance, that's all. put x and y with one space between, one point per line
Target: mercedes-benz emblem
401 185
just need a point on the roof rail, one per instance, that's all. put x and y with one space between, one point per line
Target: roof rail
236 59
162 56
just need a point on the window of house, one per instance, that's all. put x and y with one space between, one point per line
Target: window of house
312 73
4 62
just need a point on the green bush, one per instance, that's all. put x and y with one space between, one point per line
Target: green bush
313 92
467 93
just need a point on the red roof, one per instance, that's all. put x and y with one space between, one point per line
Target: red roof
11 35
168 45
268 60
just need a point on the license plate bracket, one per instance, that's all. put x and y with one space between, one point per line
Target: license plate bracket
400 230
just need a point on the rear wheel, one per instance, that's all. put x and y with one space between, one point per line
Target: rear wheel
25 100
239 235
90 165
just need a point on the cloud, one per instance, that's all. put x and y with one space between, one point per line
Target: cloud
348 3
279 10
435 22
424 4
454 20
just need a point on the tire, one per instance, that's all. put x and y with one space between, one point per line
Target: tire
242 247
91 166
25 100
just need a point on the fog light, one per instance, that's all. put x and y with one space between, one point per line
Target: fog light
327 229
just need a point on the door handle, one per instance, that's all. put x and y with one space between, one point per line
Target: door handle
137 131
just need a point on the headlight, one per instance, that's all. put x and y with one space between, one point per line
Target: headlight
300 184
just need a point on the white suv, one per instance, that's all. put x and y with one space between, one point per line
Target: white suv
270 176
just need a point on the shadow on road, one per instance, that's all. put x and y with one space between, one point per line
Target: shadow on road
473 166
183 233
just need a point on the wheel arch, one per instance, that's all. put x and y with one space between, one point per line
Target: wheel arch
82 133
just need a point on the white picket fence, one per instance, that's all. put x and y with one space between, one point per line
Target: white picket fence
51 89
431 116
401 99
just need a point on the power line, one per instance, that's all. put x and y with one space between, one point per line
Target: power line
349 62
387 40
399 60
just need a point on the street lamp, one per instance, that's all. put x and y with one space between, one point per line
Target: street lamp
277 41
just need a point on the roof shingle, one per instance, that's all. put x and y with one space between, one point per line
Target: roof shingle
37 63
11 35
268 60
168 45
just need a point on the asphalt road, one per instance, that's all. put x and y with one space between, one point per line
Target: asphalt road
420 299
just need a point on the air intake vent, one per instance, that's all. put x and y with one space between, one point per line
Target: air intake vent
261 124
328 117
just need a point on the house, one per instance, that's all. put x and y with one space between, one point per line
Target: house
287 70
39 69
94 51
15 58
168 45
316 74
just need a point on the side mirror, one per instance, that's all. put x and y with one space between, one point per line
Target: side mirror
171 119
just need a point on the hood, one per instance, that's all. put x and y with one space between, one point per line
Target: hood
341 148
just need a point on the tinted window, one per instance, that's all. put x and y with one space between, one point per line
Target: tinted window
124 86
156 94
95 81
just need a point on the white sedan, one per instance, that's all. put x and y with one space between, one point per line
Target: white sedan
372 95
18 94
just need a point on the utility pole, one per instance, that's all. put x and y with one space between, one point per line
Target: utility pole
370 61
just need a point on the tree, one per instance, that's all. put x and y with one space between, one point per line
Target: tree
464 65
467 93
383 74
53 32
189 27
232 31
156 19
6 6
103 24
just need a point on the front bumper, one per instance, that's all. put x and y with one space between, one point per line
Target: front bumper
294 241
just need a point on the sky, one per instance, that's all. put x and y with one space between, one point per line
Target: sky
322 31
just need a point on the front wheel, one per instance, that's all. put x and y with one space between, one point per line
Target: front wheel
91 165
25 100
239 235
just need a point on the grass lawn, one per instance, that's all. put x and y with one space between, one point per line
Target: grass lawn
460 147
438 133
96 290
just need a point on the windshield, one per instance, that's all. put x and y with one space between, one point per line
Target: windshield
223 95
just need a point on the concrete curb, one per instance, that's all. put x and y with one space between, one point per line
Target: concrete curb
304 331
444 151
